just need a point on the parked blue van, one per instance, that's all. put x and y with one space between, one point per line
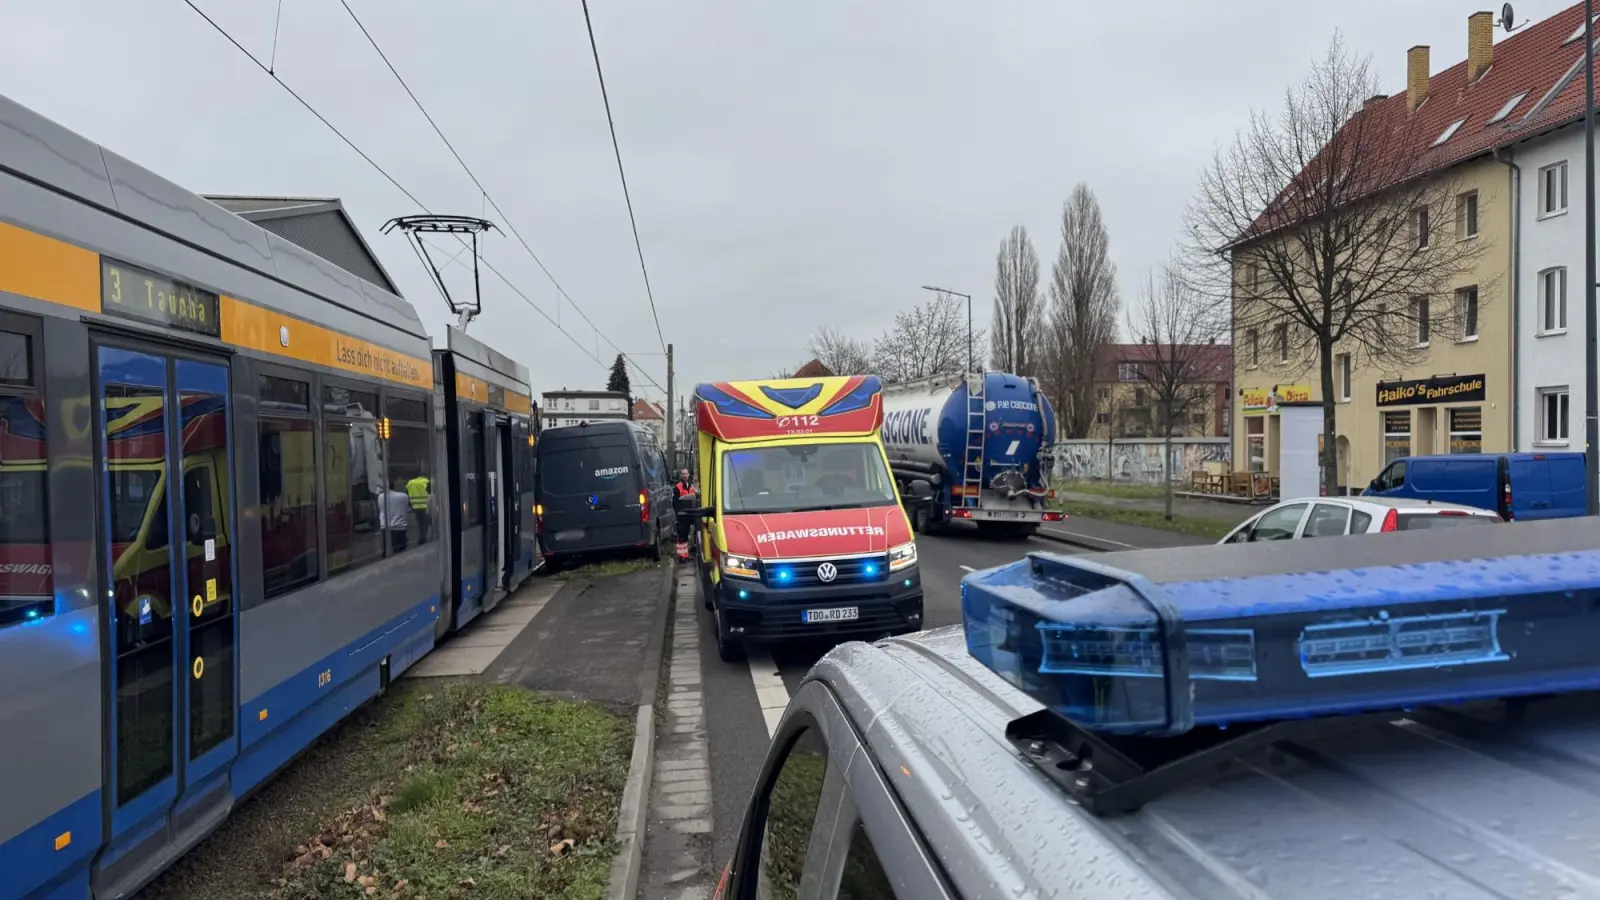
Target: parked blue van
1519 486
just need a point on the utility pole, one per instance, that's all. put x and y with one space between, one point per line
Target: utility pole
672 457
1591 403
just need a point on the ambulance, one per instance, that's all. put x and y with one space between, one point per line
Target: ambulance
801 530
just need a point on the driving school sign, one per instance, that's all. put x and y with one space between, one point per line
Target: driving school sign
1443 389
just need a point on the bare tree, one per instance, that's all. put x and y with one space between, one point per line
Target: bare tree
1082 315
928 339
843 355
1176 328
1017 314
1332 228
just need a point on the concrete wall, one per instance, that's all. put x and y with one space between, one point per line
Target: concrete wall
1135 460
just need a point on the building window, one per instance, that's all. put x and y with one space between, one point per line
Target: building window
1128 371
1553 300
1252 343
1253 275
1466 430
1138 397
1344 376
286 444
1419 317
1102 418
1280 338
1102 394
1553 189
1467 312
1422 228
1553 415
1467 215
1255 443
1396 436
594 405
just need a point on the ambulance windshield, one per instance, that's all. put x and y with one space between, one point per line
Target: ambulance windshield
804 478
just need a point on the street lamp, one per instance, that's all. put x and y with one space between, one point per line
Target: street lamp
970 317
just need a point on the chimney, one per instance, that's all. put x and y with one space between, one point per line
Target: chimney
1416 76
1480 45
1376 98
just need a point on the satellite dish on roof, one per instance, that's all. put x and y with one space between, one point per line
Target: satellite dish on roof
1508 19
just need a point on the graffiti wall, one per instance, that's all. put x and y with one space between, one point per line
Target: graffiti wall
1135 460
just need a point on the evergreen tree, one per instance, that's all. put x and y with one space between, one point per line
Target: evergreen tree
618 381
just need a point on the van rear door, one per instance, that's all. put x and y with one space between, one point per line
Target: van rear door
1568 487
589 486
1530 486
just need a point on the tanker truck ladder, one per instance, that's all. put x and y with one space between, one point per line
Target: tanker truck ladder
972 476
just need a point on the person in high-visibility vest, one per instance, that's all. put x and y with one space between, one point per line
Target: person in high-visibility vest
419 491
684 486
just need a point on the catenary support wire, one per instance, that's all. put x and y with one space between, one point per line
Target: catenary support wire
413 198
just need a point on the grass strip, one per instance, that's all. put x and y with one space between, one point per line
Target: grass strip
1195 526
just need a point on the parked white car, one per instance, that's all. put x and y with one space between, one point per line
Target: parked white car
1334 516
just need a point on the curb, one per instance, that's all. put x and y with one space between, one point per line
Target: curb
631 816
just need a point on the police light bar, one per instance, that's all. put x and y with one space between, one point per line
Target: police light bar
1173 641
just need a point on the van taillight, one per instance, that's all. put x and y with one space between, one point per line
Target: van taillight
644 507
1391 521
1506 511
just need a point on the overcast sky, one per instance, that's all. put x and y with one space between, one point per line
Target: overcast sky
792 164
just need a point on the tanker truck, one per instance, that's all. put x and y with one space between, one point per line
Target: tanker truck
981 441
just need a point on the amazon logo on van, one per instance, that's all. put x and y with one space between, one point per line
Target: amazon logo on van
612 472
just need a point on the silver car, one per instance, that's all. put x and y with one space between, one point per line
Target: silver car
1334 516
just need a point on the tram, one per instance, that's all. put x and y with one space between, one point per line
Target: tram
207 436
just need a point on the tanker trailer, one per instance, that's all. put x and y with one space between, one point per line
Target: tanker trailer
981 441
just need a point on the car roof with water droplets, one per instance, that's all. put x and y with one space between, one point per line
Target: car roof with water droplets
1458 804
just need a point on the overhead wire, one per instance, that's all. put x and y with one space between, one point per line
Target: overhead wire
617 150
271 73
489 198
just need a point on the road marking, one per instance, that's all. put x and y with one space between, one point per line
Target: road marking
771 693
969 568
1090 537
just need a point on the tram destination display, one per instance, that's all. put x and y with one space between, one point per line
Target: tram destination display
135 293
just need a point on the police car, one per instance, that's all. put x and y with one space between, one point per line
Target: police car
1390 717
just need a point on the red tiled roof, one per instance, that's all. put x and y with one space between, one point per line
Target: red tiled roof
644 409
813 369
1215 359
1534 60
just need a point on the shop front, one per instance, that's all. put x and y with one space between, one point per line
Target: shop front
1436 415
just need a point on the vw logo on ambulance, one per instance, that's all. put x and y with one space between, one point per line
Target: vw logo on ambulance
827 572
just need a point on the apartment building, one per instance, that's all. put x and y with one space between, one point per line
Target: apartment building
1128 406
564 407
1507 374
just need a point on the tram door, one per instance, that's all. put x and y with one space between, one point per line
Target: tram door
495 536
167 531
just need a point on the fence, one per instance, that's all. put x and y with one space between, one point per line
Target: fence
1136 460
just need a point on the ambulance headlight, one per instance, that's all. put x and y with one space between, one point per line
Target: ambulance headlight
903 556
740 566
